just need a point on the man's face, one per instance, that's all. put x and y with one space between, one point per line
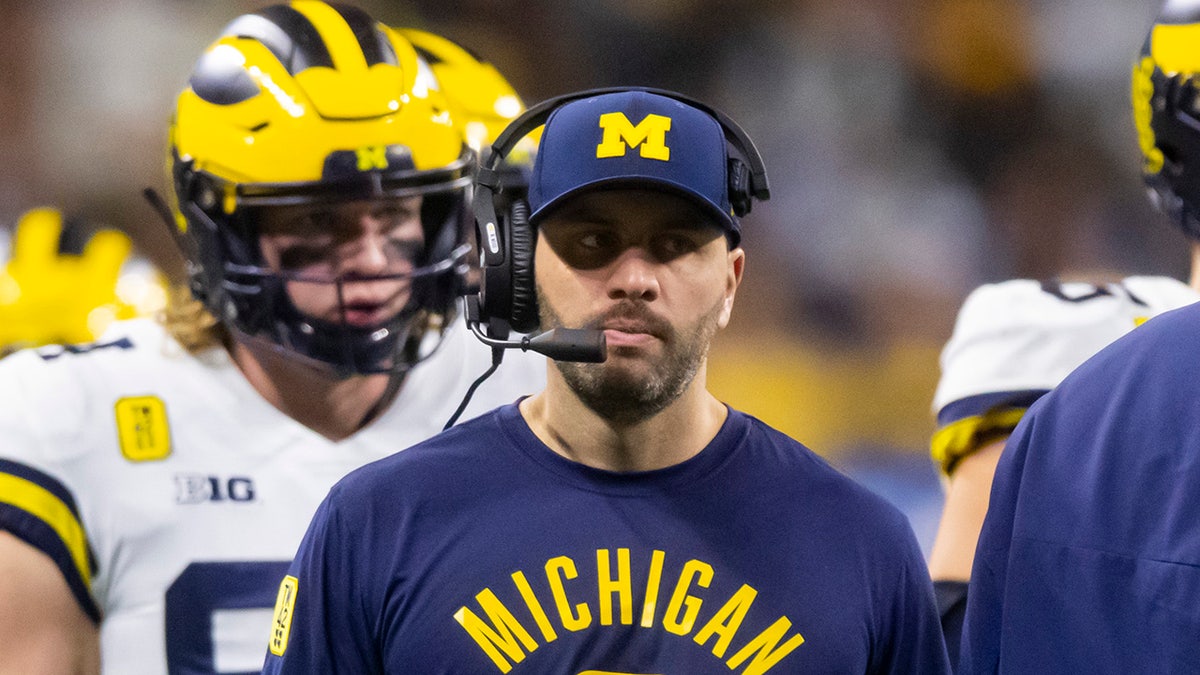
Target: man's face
651 271
369 246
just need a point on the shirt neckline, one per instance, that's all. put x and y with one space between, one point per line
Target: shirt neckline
635 483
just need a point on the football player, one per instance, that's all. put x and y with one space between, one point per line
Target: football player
155 484
1089 554
1015 341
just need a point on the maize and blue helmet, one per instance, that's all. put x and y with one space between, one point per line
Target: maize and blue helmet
316 103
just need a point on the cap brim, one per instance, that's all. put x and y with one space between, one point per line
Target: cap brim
720 218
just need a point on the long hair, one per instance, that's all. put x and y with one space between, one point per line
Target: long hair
190 323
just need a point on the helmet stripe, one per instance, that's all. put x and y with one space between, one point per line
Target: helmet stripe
1173 47
338 36
374 44
290 36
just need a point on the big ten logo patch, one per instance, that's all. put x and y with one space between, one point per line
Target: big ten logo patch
281 625
649 136
201 489
142 428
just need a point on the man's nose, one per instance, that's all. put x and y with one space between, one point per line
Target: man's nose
634 275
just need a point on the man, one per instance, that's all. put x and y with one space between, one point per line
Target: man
154 485
622 519
1088 555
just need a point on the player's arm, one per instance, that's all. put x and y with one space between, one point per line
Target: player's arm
962 515
42 627
966 448
967 496
1012 342
48 617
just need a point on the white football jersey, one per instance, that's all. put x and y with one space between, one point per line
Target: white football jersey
1016 340
173 496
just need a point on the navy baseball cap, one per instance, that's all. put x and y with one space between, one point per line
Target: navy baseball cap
633 139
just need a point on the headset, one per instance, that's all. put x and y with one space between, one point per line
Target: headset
507 294
507 297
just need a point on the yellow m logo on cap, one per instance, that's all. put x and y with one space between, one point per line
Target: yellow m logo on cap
620 133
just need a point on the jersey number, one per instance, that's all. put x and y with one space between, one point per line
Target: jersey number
199 592
1091 292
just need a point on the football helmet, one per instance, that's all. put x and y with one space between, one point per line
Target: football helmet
482 102
310 103
480 99
1166 112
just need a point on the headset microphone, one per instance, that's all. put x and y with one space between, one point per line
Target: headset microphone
560 344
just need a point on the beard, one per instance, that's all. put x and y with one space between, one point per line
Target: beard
624 397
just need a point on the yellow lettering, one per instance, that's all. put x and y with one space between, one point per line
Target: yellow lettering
702 574
651 604
621 586
371 157
558 569
727 620
535 607
503 632
763 648
620 134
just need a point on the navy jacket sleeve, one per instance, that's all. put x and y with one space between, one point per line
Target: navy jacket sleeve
1089 558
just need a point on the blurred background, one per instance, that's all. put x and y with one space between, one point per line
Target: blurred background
916 149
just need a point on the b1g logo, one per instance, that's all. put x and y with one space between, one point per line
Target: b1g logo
201 489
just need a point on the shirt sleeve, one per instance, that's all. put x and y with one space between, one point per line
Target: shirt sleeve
910 627
1015 341
37 504
321 623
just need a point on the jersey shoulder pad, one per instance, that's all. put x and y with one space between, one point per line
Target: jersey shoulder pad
1016 340
1025 335
1160 294
63 396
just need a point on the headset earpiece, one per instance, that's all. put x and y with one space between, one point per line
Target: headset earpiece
522 240
740 197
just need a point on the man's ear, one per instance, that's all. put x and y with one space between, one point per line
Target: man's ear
733 278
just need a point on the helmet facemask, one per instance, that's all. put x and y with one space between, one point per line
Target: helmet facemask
254 297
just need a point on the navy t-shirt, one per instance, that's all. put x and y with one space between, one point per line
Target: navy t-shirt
483 551
1089 558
